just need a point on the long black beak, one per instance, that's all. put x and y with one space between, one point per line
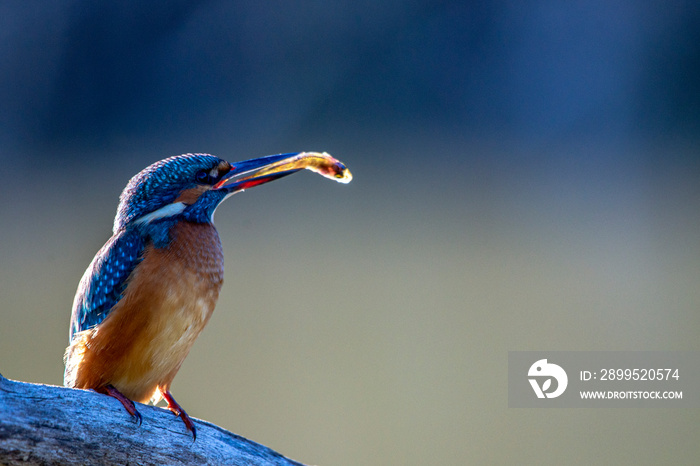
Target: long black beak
243 174
250 173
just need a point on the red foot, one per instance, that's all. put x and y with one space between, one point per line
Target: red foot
177 409
127 403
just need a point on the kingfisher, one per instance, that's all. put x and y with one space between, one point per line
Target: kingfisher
152 288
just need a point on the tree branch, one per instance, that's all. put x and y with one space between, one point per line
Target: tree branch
45 424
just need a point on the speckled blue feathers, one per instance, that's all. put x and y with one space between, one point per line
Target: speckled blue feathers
105 280
158 185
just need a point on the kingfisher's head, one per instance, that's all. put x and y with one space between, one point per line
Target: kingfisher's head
190 186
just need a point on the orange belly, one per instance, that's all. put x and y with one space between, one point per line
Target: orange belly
142 343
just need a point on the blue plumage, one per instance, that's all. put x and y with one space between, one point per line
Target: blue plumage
160 184
105 279
156 186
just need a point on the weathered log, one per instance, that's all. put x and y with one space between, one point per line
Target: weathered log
45 424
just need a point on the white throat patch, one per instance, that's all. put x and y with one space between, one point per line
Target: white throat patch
169 210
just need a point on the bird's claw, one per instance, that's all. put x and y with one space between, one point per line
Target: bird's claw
175 407
127 403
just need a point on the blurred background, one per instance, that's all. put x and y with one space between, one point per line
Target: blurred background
527 177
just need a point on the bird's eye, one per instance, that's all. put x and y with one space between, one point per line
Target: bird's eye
202 176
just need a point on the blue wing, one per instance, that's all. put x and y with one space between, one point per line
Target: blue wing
104 281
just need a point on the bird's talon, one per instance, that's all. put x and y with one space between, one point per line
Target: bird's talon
190 426
127 403
177 410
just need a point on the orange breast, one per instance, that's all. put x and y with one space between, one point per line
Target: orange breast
169 299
